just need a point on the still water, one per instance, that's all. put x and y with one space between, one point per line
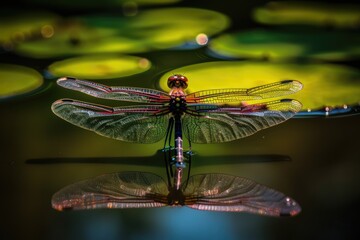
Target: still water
314 160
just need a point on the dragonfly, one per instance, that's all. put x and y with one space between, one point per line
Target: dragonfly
203 116
211 192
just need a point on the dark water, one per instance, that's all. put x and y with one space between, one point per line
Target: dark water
41 153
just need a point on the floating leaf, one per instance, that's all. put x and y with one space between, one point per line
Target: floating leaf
265 44
81 4
17 26
309 13
149 30
99 66
16 80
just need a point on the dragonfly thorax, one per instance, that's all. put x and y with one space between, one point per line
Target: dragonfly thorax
177 105
175 197
177 80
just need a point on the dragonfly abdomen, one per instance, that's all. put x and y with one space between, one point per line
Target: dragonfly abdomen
179 152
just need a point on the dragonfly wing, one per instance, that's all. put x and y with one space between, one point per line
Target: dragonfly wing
217 124
115 190
138 124
271 90
131 94
220 192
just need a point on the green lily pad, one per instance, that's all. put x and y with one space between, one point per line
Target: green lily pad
16 80
17 26
309 13
99 66
258 43
324 84
81 4
149 30
163 29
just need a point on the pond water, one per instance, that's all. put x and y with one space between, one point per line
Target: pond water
312 157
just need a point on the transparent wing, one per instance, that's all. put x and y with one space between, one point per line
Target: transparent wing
215 124
132 94
220 192
115 190
271 90
139 124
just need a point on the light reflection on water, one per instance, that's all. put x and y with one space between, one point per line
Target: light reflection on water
185 223
176 223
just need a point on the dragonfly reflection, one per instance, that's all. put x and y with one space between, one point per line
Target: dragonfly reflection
212 192
203 117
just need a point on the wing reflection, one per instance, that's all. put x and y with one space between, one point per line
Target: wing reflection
211 192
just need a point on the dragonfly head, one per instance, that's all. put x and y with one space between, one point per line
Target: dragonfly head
177 80
176 198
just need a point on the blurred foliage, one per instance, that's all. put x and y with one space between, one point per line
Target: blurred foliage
81 4
149 30
17 26
309 13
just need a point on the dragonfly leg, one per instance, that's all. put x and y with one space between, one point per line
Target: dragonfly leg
167 146
188 159
167 149
167 167
188 173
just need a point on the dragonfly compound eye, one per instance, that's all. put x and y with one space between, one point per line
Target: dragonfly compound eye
177 80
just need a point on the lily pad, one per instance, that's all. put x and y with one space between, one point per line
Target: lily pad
16 80
88 4
163 29
17 26
99 66
325 85
309 13
149 30
259 43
